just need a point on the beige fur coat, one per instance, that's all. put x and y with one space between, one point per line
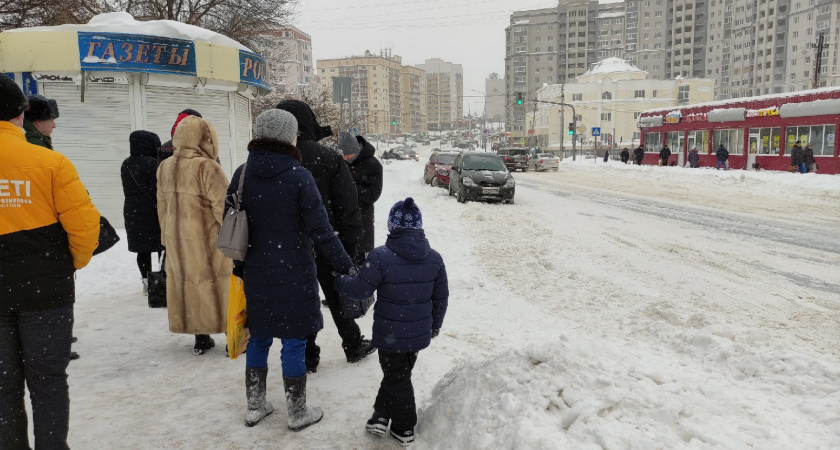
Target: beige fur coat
191 190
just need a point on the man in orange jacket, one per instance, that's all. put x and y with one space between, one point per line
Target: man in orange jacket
48 230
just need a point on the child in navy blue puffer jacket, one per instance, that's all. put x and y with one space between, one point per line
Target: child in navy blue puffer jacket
412 295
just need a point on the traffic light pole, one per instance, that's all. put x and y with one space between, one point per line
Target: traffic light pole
574 123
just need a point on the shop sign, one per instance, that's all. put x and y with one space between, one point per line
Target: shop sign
695 117
673 117
765 112
253 70
118 52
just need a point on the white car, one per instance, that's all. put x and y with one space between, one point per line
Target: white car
544 161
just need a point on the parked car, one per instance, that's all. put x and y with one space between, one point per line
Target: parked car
544 161
481 176
394 154
515 158
437 169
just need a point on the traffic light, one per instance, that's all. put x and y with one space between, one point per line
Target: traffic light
394 122
519 98
571 129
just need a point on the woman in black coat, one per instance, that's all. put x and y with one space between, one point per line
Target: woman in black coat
139 181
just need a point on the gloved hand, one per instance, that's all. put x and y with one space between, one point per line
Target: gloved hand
435 332
352 272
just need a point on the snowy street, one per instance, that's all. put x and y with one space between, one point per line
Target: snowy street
611 307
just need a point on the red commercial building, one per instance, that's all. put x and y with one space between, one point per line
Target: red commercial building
754 130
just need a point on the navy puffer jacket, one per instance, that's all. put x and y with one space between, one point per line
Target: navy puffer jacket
286 220
412 291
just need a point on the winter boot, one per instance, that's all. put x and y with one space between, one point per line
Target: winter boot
145 286
312 356
300 415
203 342
258 406
378 423
404 437
358 353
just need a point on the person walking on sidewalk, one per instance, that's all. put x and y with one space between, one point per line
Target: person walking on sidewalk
722 156
287 221
49 229
413 294
191 190
367 175
338 192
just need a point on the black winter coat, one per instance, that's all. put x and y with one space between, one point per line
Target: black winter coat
139 182
367 174
797 156
286 222
625 155
808 155
722 153
639 153
664 154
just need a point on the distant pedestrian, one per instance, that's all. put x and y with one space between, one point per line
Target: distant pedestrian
625 155
39 120
412 297
664 155
639 155
797 157
367 175
139 183
810 162
693 158
606 155
722 155
49 229
191 189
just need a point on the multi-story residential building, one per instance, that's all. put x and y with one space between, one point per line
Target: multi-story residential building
379 101
291 55
494 98
444 93
749 47
609 97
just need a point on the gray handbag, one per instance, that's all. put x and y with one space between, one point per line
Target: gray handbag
233 234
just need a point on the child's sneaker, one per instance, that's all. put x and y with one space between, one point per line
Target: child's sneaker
377 424
405 438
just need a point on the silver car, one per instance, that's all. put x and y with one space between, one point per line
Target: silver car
544 161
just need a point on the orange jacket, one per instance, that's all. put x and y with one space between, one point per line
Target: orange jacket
40 187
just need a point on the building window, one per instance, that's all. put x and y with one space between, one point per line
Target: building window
606 117
684 94
606 96
577 97
733 140
653 142
822 136
639 94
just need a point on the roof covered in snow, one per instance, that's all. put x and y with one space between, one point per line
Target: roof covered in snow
123 22
739 101
612 65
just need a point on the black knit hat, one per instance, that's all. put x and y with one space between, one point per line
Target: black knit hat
12 100
41 108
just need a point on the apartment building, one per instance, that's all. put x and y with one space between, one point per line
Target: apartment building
494 97
386 97
444 93
291 55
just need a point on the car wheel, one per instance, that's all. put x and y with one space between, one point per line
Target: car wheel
556 169
426 180
461 197
525 169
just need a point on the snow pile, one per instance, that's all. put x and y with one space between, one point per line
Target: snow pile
587 396
123 22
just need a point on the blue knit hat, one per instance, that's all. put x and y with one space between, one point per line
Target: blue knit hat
405 214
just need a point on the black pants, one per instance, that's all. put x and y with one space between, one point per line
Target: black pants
35 351
350 334
396 393
144 263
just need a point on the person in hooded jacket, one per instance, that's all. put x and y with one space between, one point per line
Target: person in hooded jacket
166 150
191 189
797 157
139 182
335 183
693 158
412 297
639 155
664 155
808 157
625 155
722 155
286 222
367 174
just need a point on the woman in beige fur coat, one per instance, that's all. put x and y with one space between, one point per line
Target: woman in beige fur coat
191 190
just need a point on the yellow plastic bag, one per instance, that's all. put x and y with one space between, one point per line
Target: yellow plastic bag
237 334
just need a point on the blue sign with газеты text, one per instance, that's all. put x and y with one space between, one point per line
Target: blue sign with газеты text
136 53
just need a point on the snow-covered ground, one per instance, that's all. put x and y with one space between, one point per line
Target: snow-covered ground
612 306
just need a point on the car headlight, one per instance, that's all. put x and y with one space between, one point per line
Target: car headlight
468 181
510 183
443 172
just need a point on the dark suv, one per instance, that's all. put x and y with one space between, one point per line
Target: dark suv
515 158
481 176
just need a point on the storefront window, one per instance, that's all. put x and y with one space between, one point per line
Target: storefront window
699 139
653 142
733 140
820 136
765 140
674 141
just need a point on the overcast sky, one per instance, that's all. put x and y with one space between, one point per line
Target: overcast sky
468 32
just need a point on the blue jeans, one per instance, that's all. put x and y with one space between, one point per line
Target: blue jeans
803 168
291 354
35 351
721 164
